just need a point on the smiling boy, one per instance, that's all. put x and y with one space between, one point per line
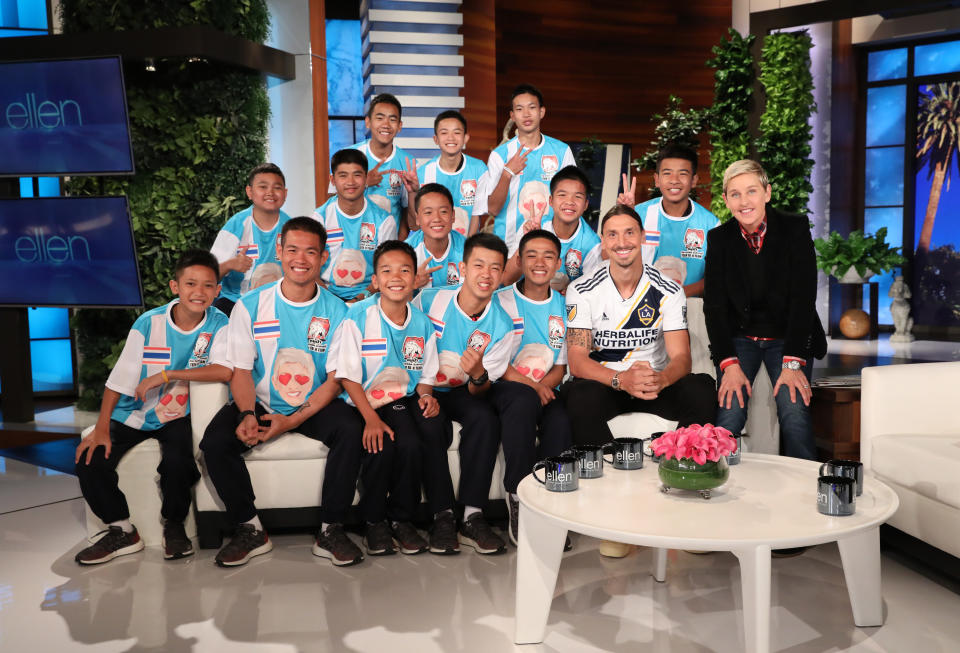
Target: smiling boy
439 249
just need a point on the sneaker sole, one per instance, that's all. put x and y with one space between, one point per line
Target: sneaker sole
379 552
408 552
267 547
127 550
444 552
178 554
323 553
479 549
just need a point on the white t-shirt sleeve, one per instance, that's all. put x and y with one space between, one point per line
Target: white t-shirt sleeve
241 347
225 246
488 181
345 344
578 310
593 259
218 349
675 311
568 159
431 361
125 375
497 356
388 230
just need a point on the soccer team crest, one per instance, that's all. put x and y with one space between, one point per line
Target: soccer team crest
317 334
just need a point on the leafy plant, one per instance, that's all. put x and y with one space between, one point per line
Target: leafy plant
732 93
836 254
938 132
675 125
784 143
196 129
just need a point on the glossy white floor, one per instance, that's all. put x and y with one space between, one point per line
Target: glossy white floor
290 601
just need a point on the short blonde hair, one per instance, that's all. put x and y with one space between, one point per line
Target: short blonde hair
744 167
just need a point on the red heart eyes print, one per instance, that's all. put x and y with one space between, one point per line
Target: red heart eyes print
165 399
284 379
301 379
356 274
377 394
182 400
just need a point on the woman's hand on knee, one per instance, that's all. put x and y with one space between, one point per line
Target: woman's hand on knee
732 384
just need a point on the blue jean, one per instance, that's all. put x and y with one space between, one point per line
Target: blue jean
796 425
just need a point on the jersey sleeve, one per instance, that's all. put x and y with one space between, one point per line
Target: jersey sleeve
675 311
225 246
592 260
431 360
578 310
568 159
497 356
488 181
388 230
125 375
218 348
241 347
346 345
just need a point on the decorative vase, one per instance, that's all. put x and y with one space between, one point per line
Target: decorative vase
852 276
685 474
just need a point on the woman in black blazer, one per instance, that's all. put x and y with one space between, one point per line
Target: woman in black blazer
760 290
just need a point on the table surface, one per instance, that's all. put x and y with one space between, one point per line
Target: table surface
767 500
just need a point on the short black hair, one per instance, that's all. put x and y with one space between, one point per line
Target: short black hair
677 151
449 113
303 223
348 155
540 233
266 168
385 98
620 209
193 257
486 241
570 172
521 89
393 246
426 189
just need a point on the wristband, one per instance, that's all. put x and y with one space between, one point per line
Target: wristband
509 171
480 380
163 373
243 415
724 364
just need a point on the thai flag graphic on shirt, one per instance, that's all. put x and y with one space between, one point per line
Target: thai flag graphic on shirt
518 326
251 251
373 347
652 237
266 329
156 355
334 236
437 326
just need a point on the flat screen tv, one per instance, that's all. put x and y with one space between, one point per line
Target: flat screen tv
68 251
64 117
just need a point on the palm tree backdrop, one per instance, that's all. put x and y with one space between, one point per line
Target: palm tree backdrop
938 137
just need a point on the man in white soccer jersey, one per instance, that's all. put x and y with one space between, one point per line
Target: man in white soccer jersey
439 249
284 379
145 397
530 158
627 343
249 238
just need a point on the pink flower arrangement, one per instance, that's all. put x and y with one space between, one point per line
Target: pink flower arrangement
700 443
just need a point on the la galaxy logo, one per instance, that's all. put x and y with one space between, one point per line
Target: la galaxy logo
573 262
693 244
453 274
571 312
555 331
646 314
549 165
468 192
478 340
413 353
199 358
368 235
317 334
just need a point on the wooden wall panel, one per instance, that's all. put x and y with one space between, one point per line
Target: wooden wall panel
606 66
479 75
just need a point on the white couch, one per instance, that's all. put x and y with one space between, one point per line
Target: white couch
910 439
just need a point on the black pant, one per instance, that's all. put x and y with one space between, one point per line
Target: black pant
390 478
691 400
520 411
479 440
337 425
177 469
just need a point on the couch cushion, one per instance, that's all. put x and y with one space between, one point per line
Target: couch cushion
927 464
289 446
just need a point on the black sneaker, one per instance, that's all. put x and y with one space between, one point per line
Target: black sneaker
333 543
476 532
408 539
379 539
176 544
513 506
443 535
114 543
246 543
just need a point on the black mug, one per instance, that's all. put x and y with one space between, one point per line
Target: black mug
561 473
849 468
627 453
836 495
589 459
648 449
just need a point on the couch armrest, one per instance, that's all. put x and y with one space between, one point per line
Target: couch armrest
918 399
206 398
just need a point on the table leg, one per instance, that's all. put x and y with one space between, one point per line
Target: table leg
755 579
659 571
540 547
860 555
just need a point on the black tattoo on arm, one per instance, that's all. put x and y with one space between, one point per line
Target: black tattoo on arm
305 405
579 338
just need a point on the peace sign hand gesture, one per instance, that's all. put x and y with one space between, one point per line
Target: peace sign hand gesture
628 196
374 177
409 176
518 161
424 272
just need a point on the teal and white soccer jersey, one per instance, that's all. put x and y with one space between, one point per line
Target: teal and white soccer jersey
390 195
542 333
684 238
449 272
154 344
241 235
387 359
627 330
351 240
529 191
462 184
579 254
456 331
286 344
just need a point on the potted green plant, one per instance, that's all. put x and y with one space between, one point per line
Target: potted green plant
857 257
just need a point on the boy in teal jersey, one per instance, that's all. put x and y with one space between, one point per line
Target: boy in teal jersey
455 170
515 188
146 396
386 363
284 379
674 225
439 249
249 238
579 244
355 226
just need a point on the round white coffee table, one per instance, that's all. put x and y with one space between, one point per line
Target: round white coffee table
769 502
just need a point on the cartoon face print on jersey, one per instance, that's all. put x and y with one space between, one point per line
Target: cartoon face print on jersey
350 268
387 386
293 374
533 201
672 268
461 221
449 375
174 401
264 274
534 360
